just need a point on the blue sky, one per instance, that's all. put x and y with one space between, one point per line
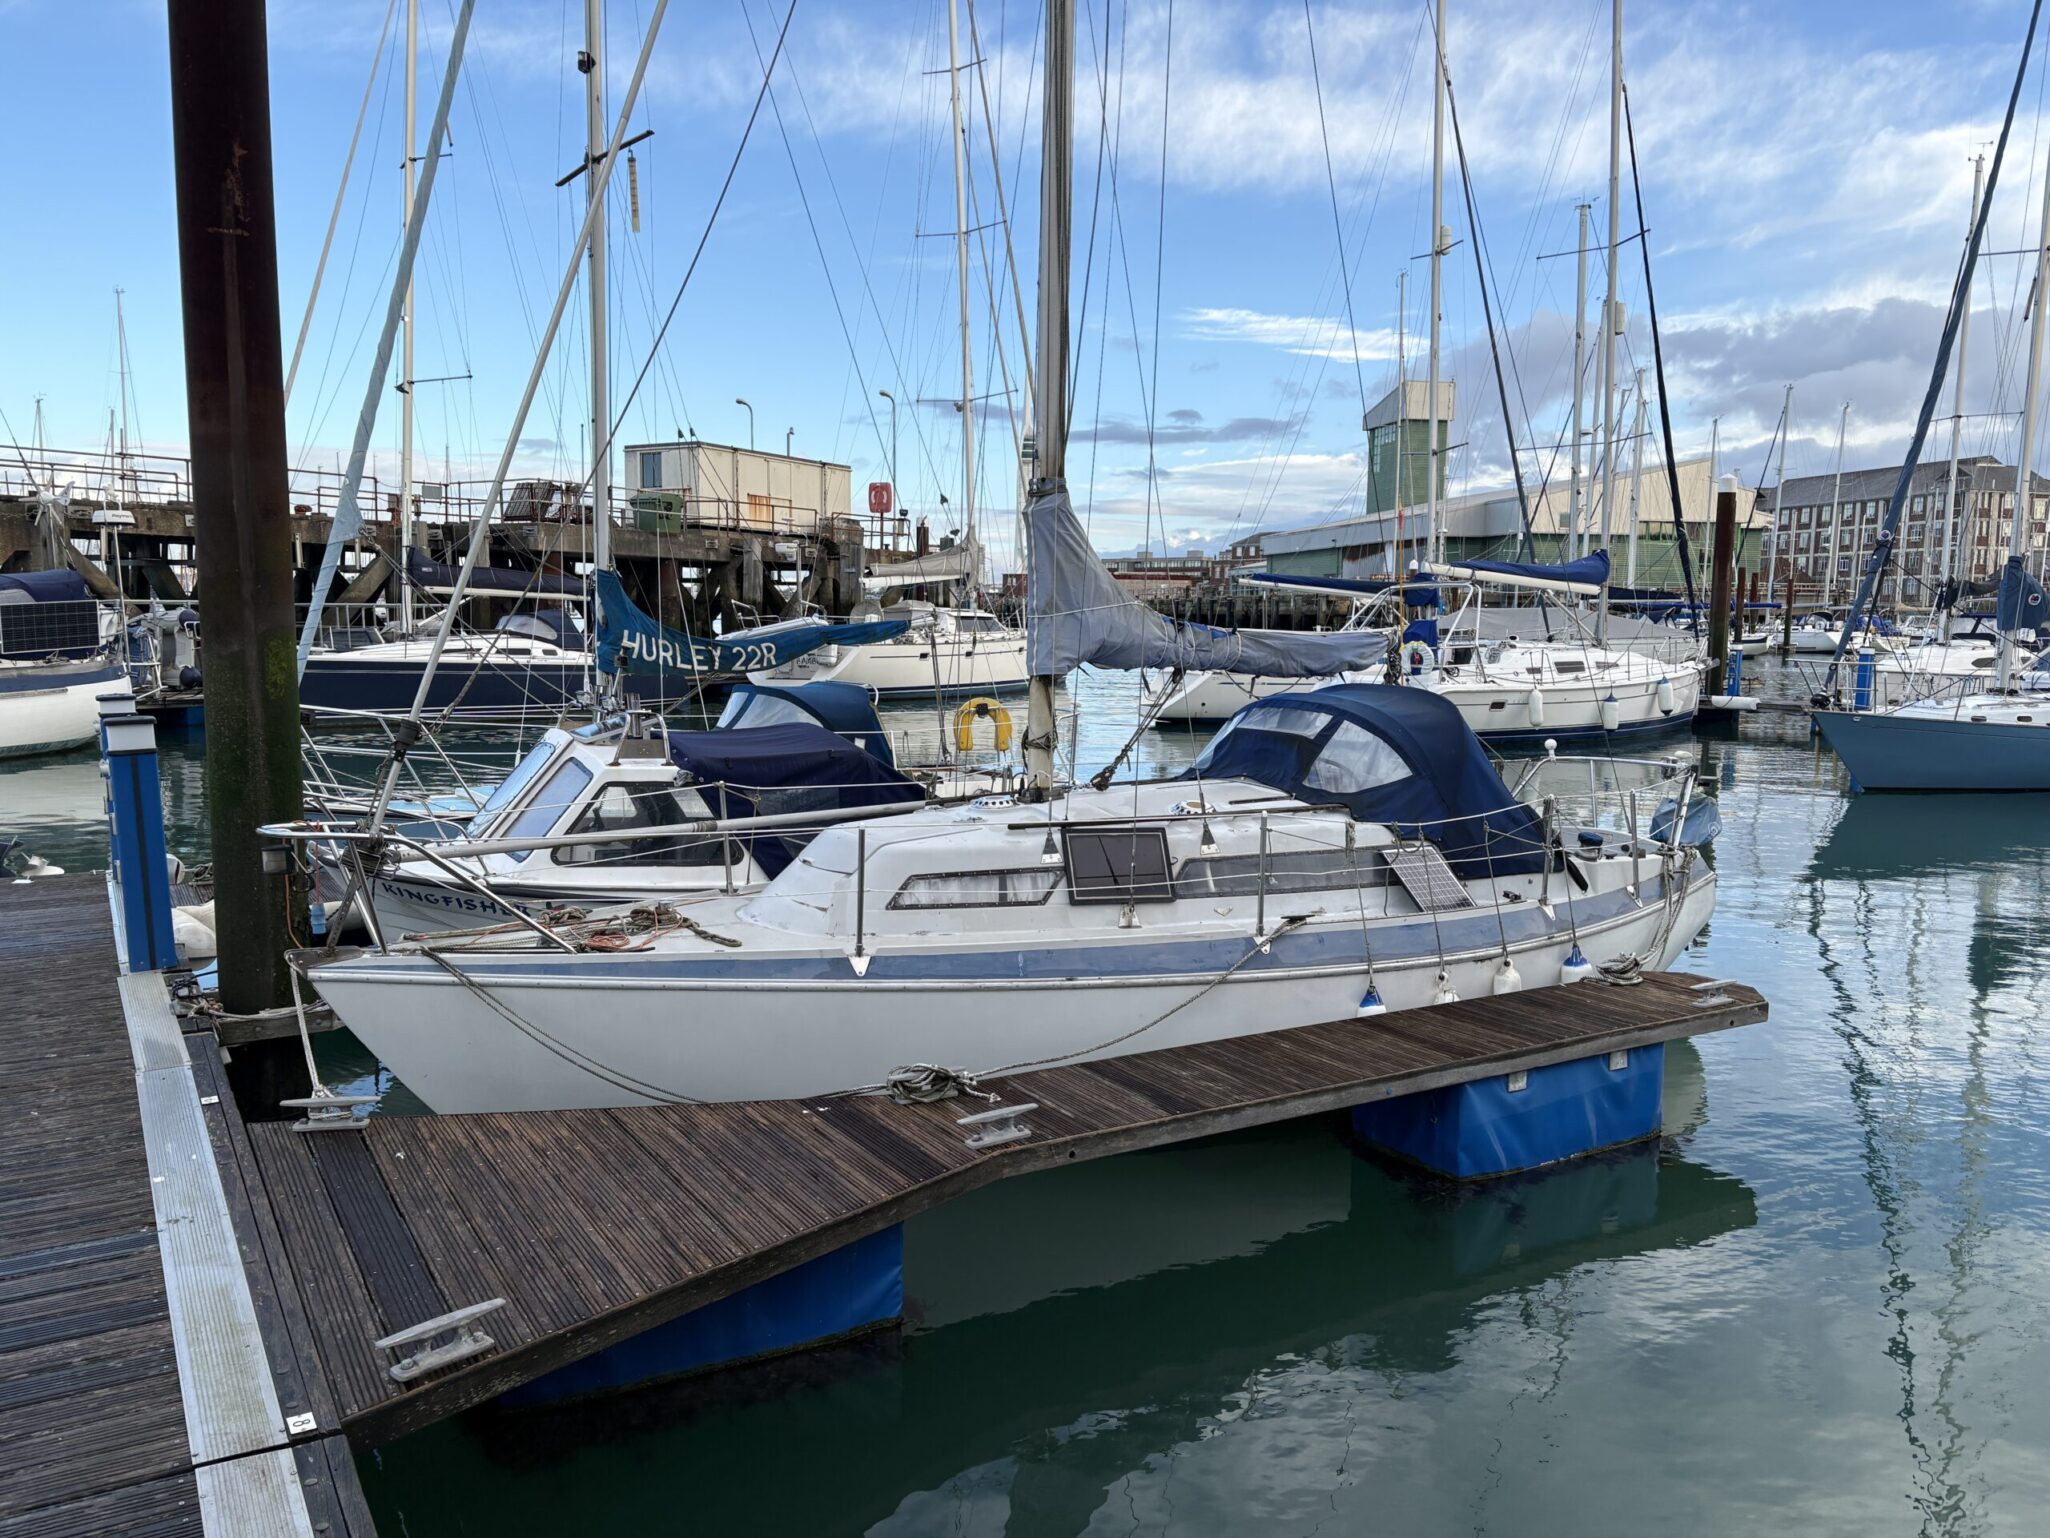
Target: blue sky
1807 177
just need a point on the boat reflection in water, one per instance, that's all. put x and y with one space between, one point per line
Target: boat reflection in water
1084 1327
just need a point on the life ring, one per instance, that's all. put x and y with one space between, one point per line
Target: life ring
982 707
1416 657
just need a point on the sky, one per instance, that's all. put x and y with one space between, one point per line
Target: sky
1807 177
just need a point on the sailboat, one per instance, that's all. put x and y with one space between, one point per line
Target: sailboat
54 659
949 651
1340 851
1979 740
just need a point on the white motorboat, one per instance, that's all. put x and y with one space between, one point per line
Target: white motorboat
1335 852
956 653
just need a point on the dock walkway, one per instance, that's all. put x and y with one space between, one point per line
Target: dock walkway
148 1382
594 1226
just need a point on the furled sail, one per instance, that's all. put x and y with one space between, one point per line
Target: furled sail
1077 612
1587 575
631 642
2023 605
431 576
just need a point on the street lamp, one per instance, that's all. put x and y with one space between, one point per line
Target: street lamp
886 395
742 401
788 434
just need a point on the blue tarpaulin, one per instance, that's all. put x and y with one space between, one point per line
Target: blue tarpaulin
767 771
1331 746
631 642
2023 604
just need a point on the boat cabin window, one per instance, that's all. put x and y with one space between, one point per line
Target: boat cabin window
1308 870
1563 665
1265 718
1118 865
509 788
978 624
624 823
763 710
540 815
1354 760
528 626
979 889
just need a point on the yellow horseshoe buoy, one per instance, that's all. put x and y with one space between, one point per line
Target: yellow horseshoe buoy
982 707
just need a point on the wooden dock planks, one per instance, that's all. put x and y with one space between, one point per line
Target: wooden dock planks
597 1225
96 1430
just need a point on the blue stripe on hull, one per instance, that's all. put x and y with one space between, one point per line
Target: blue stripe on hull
1906 753
1676 722
336 684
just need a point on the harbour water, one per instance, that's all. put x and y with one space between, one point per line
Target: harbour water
1816 1306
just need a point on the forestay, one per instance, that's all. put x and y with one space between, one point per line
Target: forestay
629 641
1077 613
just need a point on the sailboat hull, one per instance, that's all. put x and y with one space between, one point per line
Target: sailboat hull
1909 752
591 1029
52 707
388 685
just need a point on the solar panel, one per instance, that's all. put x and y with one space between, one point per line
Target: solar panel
1427 878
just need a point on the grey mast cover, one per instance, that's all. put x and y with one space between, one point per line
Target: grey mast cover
1077 612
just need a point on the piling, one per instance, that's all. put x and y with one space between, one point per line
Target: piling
234 389
1719 590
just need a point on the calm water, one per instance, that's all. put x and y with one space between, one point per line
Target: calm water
1817 1307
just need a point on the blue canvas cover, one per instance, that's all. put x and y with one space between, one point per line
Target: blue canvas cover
2023 604
843 709
1591 570
65 586
1453 795
630 641
769 770
437 576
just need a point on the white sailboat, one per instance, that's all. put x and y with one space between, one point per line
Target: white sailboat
1343 851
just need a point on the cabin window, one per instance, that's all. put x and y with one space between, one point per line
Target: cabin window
1119 865
1355 760
651 471
764 710
1562 665
539 816
621 818
1278 719
979 889
1309 870
523 775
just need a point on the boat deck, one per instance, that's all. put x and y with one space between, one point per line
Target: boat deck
596 1225
145 1371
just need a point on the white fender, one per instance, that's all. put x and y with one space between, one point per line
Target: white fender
1535 705
1612 714
1665 696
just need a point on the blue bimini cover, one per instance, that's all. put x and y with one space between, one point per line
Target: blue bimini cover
1388 754
766 771
1589 570
843 709
44 586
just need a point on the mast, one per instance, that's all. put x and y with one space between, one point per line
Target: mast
1836 494
1636 478
406 332
1576 511
1436 550
1779 490
961 262
1395 566
1056 220
590 62
1953 541
123 472
2022 489
1609 306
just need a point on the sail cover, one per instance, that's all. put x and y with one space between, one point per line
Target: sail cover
1077 612
438 577
630 642
956 563
2023 604
1586 575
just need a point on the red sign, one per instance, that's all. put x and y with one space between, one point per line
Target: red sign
880 499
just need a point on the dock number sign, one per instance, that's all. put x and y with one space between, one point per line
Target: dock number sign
880 499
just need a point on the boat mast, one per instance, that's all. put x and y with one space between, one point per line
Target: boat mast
2022 488
1608 402
1056 232
961 263
1954 542
1395 566
590 63
406 332
1436 548
1576 511
124 473
1836 496
1636 478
